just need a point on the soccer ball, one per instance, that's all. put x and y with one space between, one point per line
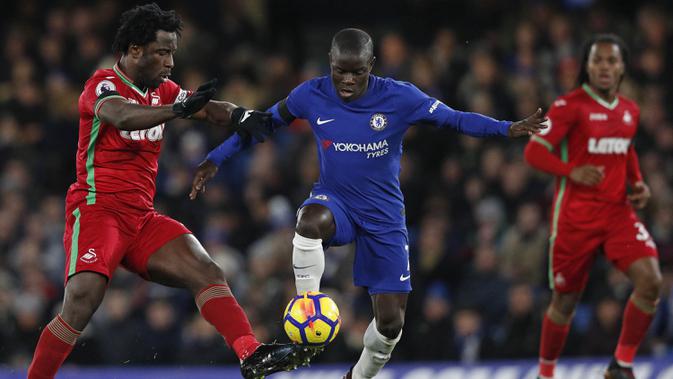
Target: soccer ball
312 319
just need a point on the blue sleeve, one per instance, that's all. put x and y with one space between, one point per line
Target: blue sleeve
430 110
295 105
275 116
234 144
227 149
296 100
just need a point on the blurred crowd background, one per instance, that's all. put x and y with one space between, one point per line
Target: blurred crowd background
477 214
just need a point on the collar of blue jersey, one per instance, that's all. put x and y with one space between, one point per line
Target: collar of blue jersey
127 80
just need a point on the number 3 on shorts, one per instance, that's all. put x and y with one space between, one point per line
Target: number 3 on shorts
643 235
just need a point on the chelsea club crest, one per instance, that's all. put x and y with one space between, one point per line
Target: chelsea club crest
378 122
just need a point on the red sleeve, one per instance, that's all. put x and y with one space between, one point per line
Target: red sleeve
540 151
540 157
171 92
90 100
633 173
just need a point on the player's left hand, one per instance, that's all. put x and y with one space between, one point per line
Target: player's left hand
204 173
530 125
640 194
197 100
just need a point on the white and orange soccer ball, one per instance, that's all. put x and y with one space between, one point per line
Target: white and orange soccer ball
312 319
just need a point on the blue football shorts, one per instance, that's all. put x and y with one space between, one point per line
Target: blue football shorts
381 251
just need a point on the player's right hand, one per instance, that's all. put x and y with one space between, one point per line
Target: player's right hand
640 195
197 100
204 173
250 123
587 175
530 125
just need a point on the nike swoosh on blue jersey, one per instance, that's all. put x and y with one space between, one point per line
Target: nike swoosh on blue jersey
320 122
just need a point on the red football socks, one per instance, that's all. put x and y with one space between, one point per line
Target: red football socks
55 344
219 307
551 344
634 326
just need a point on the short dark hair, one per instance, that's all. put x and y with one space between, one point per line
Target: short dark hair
139 26
353 41
583 76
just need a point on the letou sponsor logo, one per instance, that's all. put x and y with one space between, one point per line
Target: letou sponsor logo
153 134
608 145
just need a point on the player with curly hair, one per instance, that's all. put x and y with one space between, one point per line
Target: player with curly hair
110 217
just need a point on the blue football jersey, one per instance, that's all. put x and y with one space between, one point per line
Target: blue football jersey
360 142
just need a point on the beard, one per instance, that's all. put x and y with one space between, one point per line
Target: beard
150 83
148 79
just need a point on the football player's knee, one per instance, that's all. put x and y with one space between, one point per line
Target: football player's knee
212 274
81 301
650 288
565 305
308 227
389 326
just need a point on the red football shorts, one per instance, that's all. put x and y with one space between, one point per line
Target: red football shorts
99 237
586 228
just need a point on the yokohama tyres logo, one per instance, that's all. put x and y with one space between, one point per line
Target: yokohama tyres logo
371 150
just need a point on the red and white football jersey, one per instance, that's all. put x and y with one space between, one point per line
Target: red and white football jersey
585 129
115 164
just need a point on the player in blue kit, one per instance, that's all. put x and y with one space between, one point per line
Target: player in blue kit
358 121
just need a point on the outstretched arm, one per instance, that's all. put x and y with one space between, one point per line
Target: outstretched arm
216 113
128 116
251 127
277 116
430 110
251 123
478 125
114 109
